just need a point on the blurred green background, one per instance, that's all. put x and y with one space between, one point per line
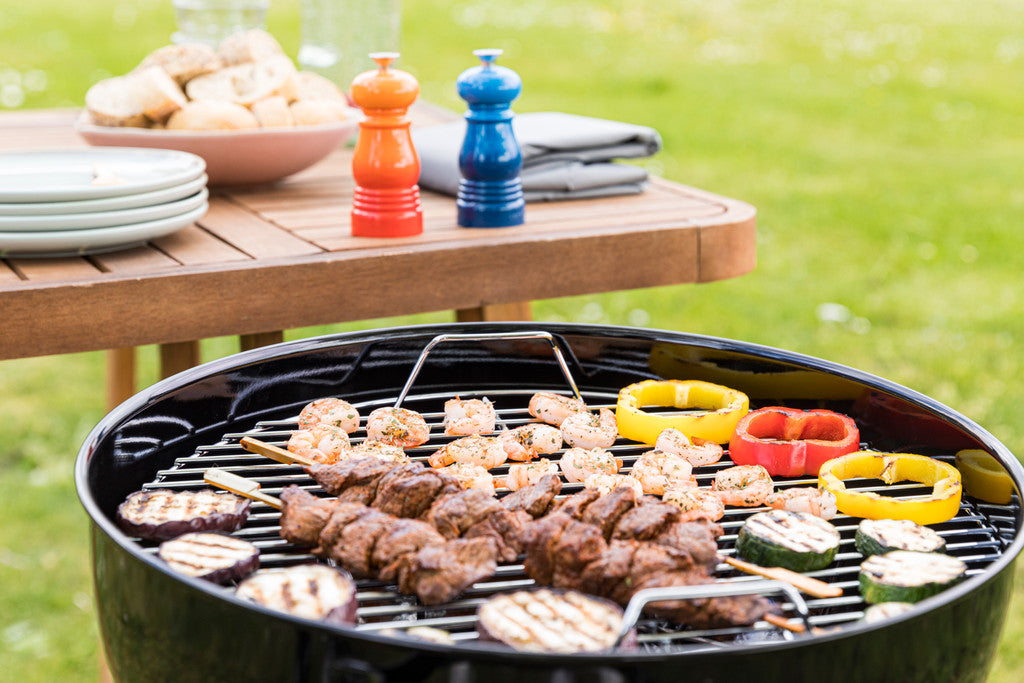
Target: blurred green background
880 141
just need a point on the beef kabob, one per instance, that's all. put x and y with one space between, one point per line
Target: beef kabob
413 490
372 544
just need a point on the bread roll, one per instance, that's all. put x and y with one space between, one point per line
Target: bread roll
243 83
254 45
134 99
184 62
212 115
313 112
273 112
306 85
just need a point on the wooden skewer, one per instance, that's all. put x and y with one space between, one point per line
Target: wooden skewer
240 485
273 452
783 622
805 584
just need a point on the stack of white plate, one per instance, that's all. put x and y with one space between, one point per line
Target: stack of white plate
85 201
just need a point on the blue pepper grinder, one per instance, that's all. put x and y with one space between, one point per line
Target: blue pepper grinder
490 191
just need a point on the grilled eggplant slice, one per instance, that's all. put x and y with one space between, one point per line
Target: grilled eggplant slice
162 514
884 610
313 591
795 540
214 557
880 536
908 576
546 620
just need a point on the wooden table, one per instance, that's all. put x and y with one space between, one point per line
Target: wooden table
266 259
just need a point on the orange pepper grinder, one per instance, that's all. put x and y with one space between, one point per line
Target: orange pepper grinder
385 165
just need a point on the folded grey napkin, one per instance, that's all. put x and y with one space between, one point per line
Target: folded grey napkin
565 156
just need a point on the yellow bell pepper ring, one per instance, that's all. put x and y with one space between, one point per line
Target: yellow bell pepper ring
941 505
984 478
721 408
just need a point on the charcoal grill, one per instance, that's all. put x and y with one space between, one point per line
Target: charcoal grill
164 626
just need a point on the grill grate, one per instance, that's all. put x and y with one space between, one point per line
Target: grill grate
978 535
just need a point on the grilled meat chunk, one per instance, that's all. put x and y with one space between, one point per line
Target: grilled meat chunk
605 511
303 515
544 620
218 558
162 514
404 492
313 591
505 528
351 473
645 521
403 537
455 513
439 573
535 499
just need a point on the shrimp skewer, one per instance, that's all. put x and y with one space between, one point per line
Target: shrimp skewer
587 430
695 504
579 463
464 417
471 476
606 483
743 485
527 473
696 451
397 426
554 408
332 411
657 471
528 441
377 449
805 499
322 443
485 451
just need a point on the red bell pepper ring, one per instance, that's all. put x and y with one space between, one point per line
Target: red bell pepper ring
791 443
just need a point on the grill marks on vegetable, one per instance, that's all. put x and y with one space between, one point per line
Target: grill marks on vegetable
549 621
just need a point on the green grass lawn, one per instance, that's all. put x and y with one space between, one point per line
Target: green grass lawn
881 143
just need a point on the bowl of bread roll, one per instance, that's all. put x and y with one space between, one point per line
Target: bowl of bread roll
243 107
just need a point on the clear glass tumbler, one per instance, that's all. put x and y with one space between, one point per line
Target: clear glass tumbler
338 36
211 21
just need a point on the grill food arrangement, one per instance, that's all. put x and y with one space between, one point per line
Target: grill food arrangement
428 555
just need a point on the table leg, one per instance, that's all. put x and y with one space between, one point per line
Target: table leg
254 341
177 357
120 376
495 312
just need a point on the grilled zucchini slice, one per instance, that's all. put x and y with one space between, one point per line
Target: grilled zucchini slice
880 536
795 540
908 576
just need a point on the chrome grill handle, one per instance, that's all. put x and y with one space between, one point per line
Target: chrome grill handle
643 597
495 336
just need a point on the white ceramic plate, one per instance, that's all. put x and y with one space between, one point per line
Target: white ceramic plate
104 219
61 175
236 157
78 242
129 201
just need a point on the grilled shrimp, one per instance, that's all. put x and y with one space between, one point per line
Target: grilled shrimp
587 430
696 451
377 449
805 499
528 441
579 463
398 427
743 485
527 473
606 483
463 417
332 411
554 408
323 443
471 476
695 504
657 471
485 451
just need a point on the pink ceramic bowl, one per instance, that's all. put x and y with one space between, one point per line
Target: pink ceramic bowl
243 157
